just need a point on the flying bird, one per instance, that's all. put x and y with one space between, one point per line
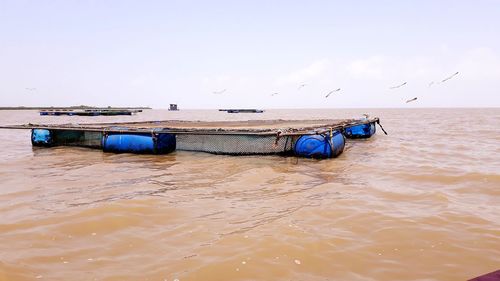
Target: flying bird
410 100
301 86
30 89
398 86
432 83
448 78
219 92
274 94
331 92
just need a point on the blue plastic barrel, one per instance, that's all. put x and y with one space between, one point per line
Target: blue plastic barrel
138 143
338 143
41 137
361 131
320 146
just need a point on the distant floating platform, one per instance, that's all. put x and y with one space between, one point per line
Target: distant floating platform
242 110
307 138
88 112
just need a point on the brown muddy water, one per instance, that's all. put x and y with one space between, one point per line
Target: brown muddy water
422 203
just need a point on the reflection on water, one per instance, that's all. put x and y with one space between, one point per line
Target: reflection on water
419 204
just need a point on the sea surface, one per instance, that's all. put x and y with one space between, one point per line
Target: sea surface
421 203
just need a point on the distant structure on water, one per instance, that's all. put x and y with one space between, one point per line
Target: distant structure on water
242 110
173 107
89 112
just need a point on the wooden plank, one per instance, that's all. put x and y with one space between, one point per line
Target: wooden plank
253 127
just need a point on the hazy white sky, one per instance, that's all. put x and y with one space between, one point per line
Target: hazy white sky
152 53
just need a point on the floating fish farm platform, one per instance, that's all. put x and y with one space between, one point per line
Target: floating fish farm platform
88 112
307 138
242 110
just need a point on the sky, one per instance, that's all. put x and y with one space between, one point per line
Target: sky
221 54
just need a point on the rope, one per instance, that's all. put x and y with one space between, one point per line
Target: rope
332 147
286 143
378 122
330 142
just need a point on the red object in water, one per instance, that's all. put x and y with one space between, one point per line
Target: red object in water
492 276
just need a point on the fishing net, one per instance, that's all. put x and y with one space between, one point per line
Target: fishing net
76 138
236 144
229 144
